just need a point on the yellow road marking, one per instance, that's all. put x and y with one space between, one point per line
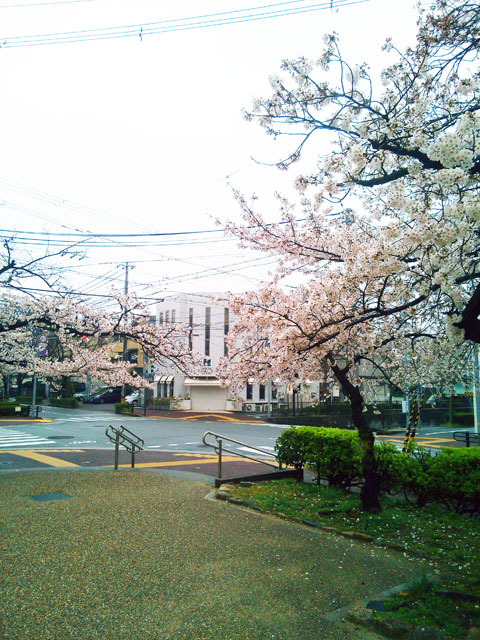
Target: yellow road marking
31 420
426 439
37 450
40 457
179 463
222 417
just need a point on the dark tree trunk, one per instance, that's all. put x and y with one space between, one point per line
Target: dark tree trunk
371 488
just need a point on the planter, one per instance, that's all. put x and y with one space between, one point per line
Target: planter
234 405
181 405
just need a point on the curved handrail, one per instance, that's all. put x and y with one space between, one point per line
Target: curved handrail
219 448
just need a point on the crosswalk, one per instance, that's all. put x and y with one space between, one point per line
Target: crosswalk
10 439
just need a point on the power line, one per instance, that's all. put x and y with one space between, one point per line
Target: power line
41 4
177 24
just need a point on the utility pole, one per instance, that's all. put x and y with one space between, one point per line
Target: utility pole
476 399
125 340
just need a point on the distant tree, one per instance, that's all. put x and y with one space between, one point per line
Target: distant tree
76 331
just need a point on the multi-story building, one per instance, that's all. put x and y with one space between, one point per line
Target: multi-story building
208 322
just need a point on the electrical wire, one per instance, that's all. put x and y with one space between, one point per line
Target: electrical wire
173 25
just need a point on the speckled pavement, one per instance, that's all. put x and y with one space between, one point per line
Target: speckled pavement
134 555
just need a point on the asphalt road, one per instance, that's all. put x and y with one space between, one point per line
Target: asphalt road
71 435
85 427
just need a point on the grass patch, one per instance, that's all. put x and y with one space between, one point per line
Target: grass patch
453 608
448 541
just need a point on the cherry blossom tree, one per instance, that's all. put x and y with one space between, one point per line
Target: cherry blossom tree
385 237
86 336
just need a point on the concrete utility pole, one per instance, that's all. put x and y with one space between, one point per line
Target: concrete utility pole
125 340
476 390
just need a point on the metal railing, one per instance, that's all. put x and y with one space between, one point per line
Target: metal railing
125 438
468 437
220 449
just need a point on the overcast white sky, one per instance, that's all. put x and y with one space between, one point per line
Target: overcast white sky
145 134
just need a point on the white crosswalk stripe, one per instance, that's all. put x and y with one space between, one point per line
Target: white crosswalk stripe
9 439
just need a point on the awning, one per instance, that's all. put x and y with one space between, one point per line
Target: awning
163 379
195 382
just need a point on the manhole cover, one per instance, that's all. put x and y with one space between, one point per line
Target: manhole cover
43 497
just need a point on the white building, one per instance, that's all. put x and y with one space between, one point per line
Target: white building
209 322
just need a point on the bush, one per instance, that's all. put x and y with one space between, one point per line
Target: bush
465 419
8 409
28 399
454 479
123 407
162 404
333 453
70 403
336 456
292 446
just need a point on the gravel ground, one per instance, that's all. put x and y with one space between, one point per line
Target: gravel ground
137 555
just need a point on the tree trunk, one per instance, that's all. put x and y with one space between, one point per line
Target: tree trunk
371 488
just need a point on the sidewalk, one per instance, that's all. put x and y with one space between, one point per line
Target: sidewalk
143 555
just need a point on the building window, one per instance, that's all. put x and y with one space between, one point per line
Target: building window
274 392
249 391
167 317
160 317
226 328
207 331
261 392
190 330
173 315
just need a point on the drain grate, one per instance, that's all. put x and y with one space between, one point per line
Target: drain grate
43 497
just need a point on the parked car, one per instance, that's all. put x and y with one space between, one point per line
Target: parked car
133 398
107 396
81 396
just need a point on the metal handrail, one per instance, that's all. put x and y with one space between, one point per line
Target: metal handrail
119 437
219 449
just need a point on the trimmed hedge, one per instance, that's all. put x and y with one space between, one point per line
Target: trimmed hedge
335 454
162 404
8 409
28 399
465 419
451 478
69 403
123 407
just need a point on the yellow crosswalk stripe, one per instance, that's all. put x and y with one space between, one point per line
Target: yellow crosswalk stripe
40 457
179 463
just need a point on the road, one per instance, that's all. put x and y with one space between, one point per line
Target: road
76 437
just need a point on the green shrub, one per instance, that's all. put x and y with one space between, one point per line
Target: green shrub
454 479
8 409
336 456
465 418
162 404
123 407
28 399
292 446
63 402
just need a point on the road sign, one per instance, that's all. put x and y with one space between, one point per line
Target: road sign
43 337
42 350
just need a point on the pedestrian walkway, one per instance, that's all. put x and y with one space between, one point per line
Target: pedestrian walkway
104 555
11 438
